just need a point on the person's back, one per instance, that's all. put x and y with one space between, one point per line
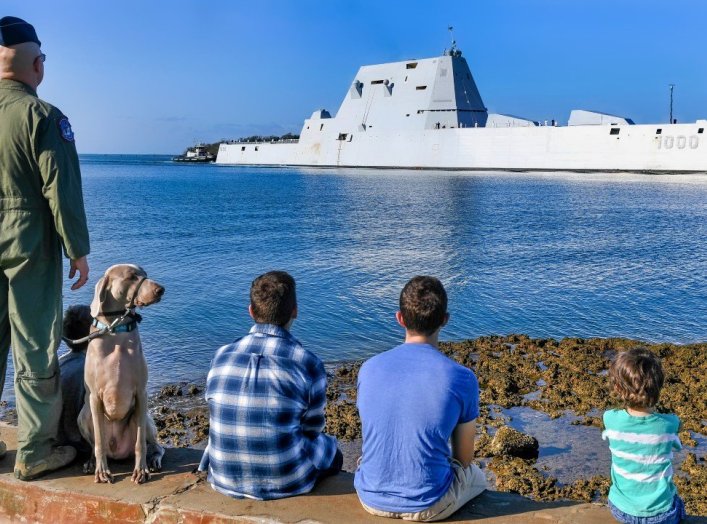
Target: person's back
410 400
641 443
30 124
267 396
413 401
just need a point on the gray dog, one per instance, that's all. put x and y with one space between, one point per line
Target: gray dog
114 418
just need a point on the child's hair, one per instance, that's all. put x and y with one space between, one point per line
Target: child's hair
273 298
423 305
76 325
636 376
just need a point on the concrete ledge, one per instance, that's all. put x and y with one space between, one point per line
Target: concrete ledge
176 495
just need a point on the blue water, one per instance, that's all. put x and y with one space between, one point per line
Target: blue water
550 255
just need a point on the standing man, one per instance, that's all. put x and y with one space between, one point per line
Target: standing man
413 401
41 212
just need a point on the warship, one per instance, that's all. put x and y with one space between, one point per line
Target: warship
429 114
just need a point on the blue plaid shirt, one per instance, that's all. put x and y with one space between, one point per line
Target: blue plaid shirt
266 397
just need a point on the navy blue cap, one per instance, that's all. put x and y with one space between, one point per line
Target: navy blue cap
15 31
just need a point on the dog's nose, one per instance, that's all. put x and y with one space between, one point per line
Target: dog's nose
159 291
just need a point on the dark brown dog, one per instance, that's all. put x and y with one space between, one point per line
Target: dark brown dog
76 325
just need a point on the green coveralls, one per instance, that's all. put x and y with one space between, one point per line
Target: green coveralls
41 209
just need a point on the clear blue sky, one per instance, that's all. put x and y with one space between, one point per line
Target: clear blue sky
140 76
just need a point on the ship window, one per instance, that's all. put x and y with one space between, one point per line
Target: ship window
658 131
408 114
700 130
342 136
421 88
411 65
256 148
321 127
243 148
614 131
406 78
374 82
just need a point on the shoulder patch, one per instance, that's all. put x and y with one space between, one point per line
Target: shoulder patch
65 129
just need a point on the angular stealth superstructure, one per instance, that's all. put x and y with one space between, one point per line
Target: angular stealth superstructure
429 114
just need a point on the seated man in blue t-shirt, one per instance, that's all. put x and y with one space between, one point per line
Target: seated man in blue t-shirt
412 401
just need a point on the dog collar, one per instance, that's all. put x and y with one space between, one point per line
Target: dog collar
122 328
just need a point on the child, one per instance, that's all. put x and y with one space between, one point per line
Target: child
641 443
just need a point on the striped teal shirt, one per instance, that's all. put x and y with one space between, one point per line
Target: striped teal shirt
641 461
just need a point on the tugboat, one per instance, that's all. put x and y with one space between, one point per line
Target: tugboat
197 153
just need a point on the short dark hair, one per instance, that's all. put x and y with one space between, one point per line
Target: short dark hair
423 304
636 377
273 298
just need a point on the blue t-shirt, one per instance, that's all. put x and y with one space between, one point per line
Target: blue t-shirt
410 400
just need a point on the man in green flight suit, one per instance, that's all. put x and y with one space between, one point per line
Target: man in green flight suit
41 211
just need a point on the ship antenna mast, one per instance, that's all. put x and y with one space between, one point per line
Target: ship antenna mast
672 86
452 49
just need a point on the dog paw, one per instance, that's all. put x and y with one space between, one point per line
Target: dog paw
103 476
140 475
155 464
154 457
89 466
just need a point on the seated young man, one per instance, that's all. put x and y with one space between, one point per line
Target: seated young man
412 401
266 396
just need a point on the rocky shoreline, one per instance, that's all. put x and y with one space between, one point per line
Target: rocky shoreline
553 377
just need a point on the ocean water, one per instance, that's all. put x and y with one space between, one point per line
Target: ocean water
547 254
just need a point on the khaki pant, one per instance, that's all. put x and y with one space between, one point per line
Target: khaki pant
30 321
467 483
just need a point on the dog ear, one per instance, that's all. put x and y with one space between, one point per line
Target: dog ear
99 296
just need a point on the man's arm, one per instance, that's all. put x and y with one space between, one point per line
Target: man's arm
61 178
313 418
463 442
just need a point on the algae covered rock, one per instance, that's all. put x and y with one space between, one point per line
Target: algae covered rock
512 443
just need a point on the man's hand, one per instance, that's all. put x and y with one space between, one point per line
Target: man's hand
80 264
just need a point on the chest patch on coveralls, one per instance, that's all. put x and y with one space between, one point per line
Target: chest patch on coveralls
65 129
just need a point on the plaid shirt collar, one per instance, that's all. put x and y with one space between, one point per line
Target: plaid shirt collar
273 330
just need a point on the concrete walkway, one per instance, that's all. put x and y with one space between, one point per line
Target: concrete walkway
177 495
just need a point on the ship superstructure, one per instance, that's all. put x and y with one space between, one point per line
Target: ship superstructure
429 114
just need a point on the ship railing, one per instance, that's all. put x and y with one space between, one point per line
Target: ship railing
283 141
